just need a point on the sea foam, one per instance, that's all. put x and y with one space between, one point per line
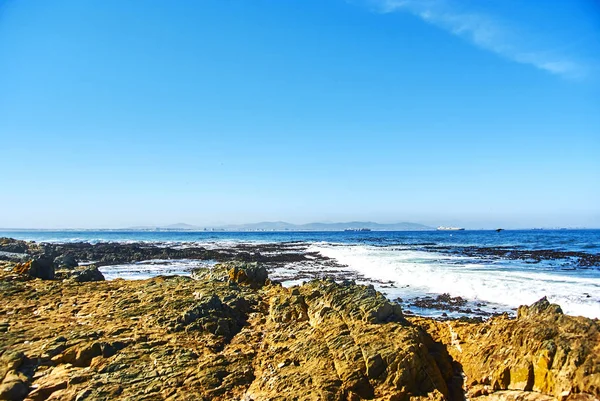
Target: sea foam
496 282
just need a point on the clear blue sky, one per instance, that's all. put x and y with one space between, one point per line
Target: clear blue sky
477 113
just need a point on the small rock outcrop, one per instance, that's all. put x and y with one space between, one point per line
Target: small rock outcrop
251 274
13 382
13 246
343 341
66 261
41 267
86 274
44 268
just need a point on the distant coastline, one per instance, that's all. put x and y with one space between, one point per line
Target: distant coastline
298 228
289 230
278 226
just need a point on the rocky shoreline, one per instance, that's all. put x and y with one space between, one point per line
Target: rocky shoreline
230 333
298 262
290 263
569 259
111 253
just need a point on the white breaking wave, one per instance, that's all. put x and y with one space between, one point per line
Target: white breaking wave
506 283
152 268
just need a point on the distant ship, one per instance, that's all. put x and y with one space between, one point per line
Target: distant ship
442 228
357 229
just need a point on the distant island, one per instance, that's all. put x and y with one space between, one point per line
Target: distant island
283 226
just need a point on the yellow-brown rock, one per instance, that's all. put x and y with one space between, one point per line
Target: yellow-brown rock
231 335
542 350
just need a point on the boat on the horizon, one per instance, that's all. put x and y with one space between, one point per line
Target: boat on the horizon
357 229
442 228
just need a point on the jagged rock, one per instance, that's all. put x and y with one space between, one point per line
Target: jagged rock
13 245
341 342
360 302
13 384
13 389
210 314
543 351
116 253
41 267
88 273
543 306
50 382
251 274
66 261
11 360
515 395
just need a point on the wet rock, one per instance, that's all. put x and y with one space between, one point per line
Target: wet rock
569 258
42 268
14 257
543 306
103 254
442 302
87 274
13 246
66 261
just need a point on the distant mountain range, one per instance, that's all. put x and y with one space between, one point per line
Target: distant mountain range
283 226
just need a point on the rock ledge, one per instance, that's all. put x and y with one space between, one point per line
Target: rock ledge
231 334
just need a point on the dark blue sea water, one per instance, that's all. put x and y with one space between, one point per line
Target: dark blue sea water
565 240
418 263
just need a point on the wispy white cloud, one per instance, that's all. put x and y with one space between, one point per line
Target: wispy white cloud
486 31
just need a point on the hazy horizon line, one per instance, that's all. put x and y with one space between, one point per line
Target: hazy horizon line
223 227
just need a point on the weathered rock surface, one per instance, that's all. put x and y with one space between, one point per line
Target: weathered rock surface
13 245
40 267
66 261
542 350
232 335
85 274
67 255
44 269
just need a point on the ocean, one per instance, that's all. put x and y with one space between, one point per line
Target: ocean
493 271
